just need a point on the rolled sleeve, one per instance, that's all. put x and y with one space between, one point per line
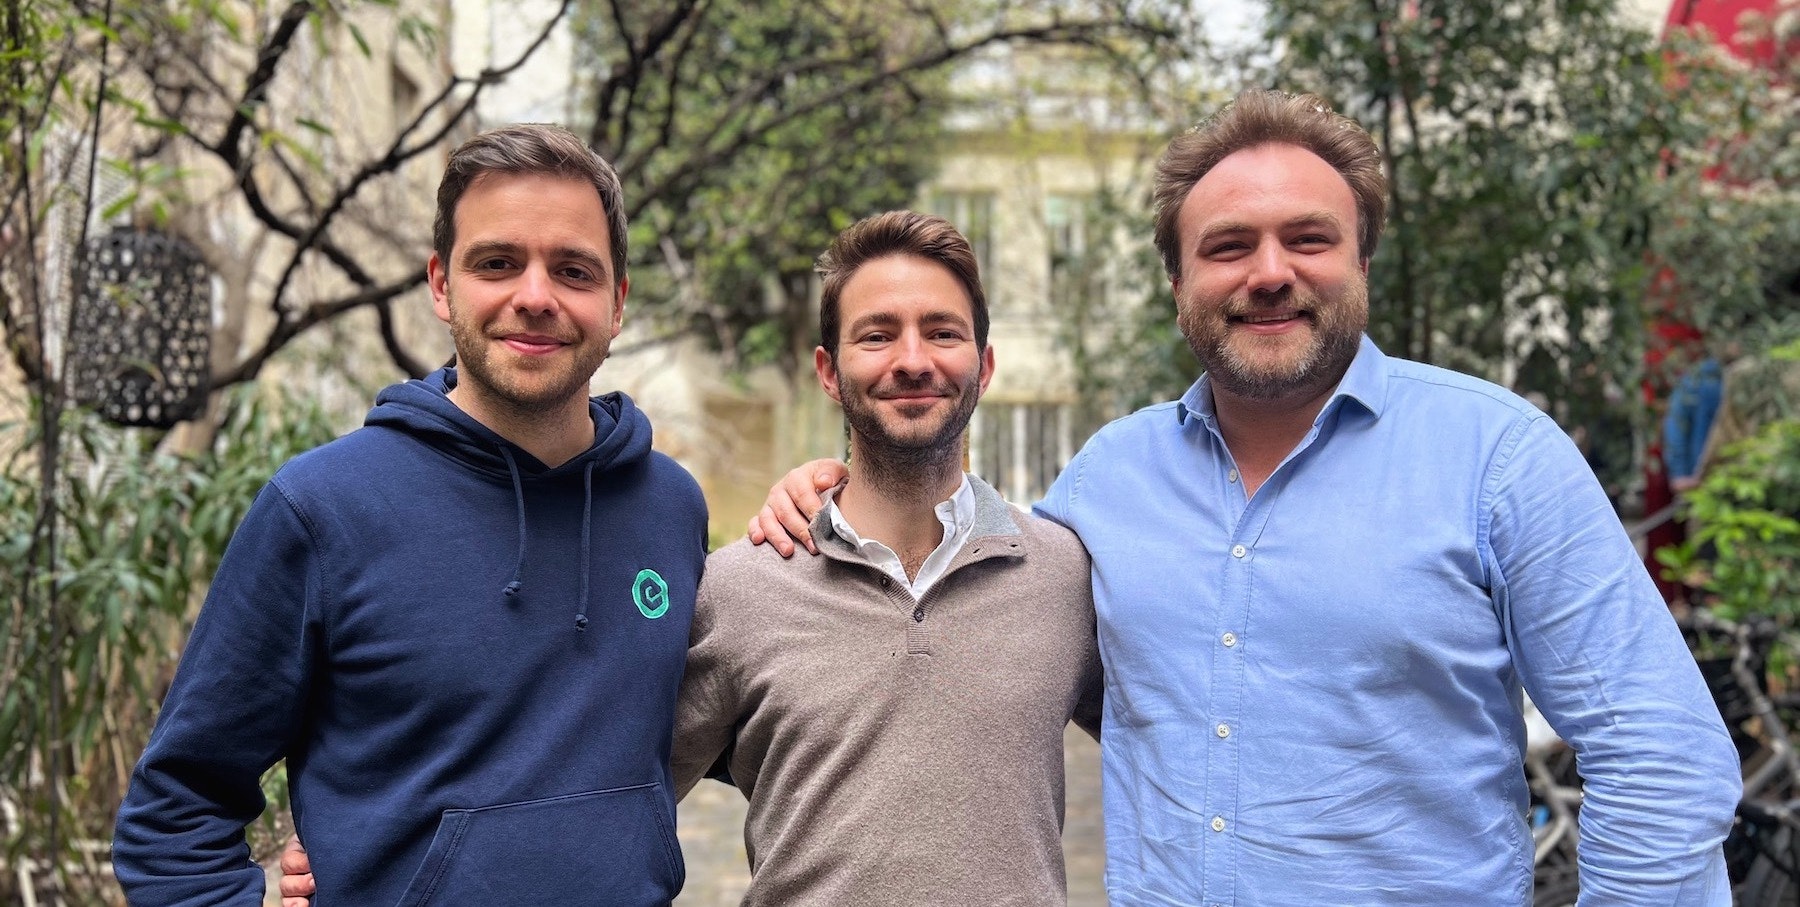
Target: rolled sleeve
1601 656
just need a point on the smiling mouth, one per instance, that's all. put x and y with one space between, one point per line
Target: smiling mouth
1269 317
913 398
532 343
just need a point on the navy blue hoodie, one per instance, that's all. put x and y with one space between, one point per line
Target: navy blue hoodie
469 660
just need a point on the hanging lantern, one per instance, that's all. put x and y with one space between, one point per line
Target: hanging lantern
141 351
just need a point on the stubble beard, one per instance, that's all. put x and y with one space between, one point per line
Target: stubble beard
898 464
1236 362
515 390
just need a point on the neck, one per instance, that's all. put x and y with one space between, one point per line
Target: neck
555 435
896 503
1261 433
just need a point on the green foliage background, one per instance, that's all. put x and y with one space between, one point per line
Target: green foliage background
146 529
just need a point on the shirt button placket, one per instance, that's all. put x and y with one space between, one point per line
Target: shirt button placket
1220 855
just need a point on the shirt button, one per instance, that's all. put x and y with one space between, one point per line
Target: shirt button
1223 730
1218 823
1232 477
1239 551
1229 639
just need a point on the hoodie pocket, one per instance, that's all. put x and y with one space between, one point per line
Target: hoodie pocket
609 848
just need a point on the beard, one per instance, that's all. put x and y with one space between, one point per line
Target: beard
896 454
1278 367
522 387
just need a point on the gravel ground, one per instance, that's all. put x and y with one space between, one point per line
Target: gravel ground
711 826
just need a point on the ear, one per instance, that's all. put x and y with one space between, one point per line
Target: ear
1175 286
438 277
828 374
987 369
1365 267
618 312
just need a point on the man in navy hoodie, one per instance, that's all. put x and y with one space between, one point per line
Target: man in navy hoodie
464 625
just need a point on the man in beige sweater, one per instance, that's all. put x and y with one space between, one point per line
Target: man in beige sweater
894 710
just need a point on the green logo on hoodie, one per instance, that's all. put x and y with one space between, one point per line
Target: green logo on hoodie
651 594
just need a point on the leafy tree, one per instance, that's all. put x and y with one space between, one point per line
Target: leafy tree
1545 161
1524 144
749 134
1743 555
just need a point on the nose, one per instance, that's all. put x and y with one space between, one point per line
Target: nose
911 355
535 293
1270 269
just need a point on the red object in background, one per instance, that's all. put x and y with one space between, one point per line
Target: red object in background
1674 344
1720 17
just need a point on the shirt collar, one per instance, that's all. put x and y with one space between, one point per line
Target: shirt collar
956 514
1364 382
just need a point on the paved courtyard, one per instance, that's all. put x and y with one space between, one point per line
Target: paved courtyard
712 839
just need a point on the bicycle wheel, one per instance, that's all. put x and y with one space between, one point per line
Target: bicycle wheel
1770 883
1557 882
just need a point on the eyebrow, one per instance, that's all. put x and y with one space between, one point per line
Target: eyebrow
1310 219
886 319
484 248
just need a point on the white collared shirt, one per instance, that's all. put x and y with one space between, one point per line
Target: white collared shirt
958 518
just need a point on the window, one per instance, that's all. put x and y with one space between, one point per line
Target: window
973 215
1019 448
1076 255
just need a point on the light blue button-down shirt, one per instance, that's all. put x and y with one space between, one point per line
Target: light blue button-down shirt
1313 695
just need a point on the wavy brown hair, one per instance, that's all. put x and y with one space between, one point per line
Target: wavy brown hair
1267 117
897 233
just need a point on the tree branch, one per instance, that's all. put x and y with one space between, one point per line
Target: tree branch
725 141
317 313
390 340
256 87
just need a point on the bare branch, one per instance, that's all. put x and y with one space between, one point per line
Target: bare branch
390 340
725 140
317 313
398 154
257 86
666 130
685 18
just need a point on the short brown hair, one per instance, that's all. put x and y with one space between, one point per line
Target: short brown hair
1268 117
529 148
897 233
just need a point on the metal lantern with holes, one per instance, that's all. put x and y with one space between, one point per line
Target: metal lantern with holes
142 345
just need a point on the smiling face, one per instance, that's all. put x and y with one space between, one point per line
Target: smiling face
907 369
529 294
1272 297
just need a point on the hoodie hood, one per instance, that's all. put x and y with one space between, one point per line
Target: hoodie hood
422 408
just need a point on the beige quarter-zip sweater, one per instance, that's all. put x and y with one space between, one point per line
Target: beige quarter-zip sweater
896 752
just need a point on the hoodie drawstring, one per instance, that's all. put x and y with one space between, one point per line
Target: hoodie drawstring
587 517
512 588
587 514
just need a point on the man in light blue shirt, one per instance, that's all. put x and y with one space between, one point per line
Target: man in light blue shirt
1323 577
